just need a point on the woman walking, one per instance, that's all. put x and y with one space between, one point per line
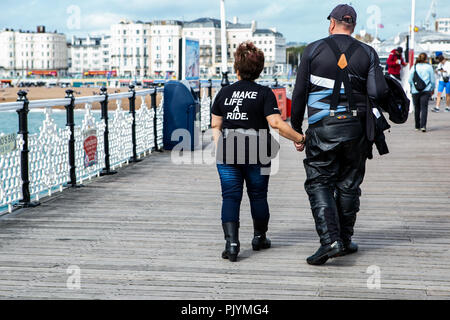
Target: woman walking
241 117
443 72
422 83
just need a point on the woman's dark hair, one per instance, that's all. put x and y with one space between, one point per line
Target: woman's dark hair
422 58
440 58
249 61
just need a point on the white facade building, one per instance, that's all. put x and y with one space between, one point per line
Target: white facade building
165 48
130 48
207 31
443 25
429 42
274 46
89 54
25 53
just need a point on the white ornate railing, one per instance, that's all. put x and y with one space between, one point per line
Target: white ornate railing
160 124
10 178
120 137
32 166
86 169
205 102
145 138
49 159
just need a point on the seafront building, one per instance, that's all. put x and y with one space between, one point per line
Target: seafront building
130 48
28 53
207 31
429 42
135 49
165 48
443 25
89 56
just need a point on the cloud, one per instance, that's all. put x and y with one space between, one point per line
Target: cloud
298 20
100 21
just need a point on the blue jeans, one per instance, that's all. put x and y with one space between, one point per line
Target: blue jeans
232 179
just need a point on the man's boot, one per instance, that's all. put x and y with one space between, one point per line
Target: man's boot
326 252
260 241
348 207
331 245
232 246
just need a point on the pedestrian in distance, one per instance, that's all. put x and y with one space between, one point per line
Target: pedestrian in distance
443 72
241 116
395 62
422 81
337 77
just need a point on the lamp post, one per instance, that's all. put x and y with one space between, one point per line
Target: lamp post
225 81
413 33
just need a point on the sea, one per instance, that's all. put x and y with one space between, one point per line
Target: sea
9 120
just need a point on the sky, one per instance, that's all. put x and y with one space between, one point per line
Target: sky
297 20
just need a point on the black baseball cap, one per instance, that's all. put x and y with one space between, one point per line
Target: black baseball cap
343 12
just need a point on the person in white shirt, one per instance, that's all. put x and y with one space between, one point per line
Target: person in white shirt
443 71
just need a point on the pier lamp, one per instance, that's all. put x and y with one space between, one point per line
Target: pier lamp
225 81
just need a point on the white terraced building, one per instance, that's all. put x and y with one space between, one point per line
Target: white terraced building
26 52
207 30
164 51
274 46
89 54
130 49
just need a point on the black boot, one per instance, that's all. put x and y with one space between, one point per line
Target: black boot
325 252
349 248
260 241
327 227
348 207
232 246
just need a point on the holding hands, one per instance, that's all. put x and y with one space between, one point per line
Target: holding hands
300 145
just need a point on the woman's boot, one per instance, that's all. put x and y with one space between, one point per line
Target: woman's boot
232 246
260 241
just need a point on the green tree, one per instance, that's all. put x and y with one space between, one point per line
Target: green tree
293 54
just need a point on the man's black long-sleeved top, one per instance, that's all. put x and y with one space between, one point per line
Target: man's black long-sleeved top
317 72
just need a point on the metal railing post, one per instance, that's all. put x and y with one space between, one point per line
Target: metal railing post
210 100
24 155
210 90
199 99
132 102
104 104
155 120
71 124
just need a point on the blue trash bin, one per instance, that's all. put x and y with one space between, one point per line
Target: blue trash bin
181 111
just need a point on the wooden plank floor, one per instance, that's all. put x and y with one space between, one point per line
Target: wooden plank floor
153 232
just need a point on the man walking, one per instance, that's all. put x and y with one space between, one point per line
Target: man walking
395 62
336 77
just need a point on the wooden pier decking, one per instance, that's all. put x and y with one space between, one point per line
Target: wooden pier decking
153 232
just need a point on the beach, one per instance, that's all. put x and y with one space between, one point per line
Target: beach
42 93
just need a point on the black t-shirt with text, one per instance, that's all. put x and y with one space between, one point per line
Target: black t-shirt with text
245 105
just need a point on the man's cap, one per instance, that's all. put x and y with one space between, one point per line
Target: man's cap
343 12
400 50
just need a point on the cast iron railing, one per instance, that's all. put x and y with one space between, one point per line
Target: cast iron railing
57 158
